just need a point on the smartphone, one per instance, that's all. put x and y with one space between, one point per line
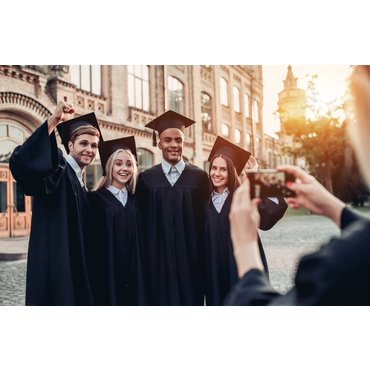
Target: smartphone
270 183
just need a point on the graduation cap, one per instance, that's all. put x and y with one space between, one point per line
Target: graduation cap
169 119
107 148
238 155
66 128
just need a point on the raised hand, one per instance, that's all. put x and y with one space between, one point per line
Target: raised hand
63 112
310 194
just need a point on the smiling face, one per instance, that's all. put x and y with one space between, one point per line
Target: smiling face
83 149
123 170
171 143
219 174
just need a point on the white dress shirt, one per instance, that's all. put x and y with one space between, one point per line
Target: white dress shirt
120 194
173 172
218 199
275 200
79 173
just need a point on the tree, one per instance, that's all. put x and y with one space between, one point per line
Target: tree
319 137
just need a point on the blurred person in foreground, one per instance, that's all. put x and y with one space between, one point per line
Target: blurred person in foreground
337 274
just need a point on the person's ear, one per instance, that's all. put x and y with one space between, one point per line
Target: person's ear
160 145
70 145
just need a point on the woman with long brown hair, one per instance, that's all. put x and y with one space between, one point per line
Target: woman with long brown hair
227 161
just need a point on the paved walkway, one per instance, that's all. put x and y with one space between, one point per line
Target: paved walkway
12 249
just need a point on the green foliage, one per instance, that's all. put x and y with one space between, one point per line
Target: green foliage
320 138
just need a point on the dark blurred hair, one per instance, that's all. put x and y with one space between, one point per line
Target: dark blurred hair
233 178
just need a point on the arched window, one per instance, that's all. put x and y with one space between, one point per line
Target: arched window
246 105
223 92
175 95
10 137
225 129
206 101
238 136
255 111
206 166
145 159
236 99
138 87
86 77
248 141
258 148
93 174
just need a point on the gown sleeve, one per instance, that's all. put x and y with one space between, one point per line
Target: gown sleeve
271 212
254 289
37 165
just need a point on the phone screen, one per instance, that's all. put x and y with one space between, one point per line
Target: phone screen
269 183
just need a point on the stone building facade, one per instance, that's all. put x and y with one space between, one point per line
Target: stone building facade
224 100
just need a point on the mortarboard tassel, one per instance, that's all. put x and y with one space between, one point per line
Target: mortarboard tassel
154 139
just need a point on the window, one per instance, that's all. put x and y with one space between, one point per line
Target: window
19 200
238 136
175 95
145 159
248 141
271 159
223 92
93 174
138 87
3 196
246 105
236 99
255 113
206 166
16 133
206 101
86 77
10 137
225 129
258 147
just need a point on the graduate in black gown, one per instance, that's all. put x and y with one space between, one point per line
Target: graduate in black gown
56 267
115 262
172 197
339 272
227 161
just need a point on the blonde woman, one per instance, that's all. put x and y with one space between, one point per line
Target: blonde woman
115 264
339 272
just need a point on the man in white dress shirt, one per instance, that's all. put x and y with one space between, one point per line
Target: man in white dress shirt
172 197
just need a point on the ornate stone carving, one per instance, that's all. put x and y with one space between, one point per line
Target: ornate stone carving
15 99
60 71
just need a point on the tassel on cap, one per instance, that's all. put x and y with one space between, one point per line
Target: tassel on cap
154 138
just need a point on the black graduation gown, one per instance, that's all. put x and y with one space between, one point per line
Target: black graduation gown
220 265
337 274
56 266
173 221
115 262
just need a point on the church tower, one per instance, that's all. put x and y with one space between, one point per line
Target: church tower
292 101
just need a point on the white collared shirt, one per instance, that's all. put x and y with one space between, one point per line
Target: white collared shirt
79 173
275 200
218 199
120 194
173 172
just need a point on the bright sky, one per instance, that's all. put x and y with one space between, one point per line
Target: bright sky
330 83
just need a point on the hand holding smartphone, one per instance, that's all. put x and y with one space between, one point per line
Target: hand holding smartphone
270 183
